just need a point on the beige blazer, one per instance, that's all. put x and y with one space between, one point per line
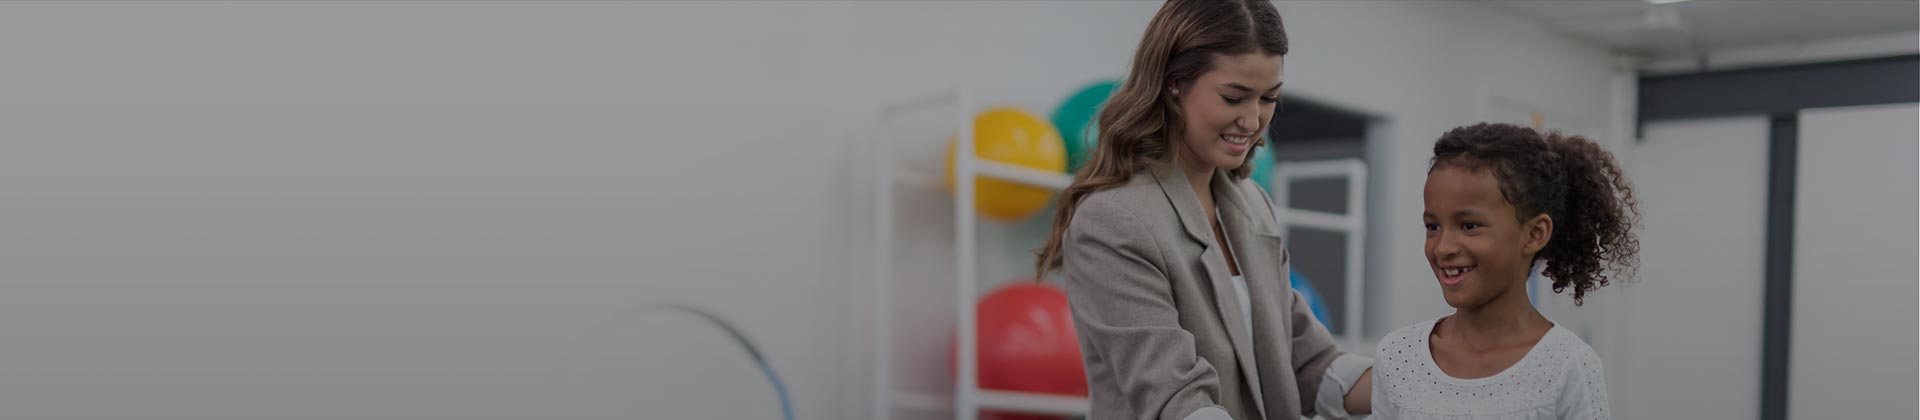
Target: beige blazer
1159 325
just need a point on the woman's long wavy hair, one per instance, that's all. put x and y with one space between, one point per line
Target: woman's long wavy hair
1142 117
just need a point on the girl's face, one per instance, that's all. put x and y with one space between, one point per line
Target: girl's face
1227 108
1476 247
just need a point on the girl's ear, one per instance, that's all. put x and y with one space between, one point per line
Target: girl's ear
1539 231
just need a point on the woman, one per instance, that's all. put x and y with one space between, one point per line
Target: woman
1174 267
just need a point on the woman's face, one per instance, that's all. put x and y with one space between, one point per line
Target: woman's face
1227 108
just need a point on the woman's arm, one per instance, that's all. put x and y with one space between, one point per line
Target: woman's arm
1123 307
1333 380
1338 381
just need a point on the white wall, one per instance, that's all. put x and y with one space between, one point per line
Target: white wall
1684 342
420 210
1853 329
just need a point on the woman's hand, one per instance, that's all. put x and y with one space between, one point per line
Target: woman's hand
1360 398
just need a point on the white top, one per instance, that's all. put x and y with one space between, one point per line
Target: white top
1330 402
1240 292
1560 378
1246 309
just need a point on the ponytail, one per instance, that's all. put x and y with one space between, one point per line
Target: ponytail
1594 243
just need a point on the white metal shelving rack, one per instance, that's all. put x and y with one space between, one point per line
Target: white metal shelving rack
1353 225
968 398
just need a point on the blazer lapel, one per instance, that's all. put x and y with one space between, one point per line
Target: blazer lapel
1263 263
1180 192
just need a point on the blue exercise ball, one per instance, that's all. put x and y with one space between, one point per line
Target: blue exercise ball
1312 296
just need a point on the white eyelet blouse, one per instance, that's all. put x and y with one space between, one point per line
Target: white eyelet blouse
1560 378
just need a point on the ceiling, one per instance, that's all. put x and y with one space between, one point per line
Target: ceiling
1641 28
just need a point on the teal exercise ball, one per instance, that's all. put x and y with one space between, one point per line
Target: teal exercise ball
1075 119
1263 166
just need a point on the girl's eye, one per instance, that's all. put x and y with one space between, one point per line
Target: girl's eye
1470 226
1272 100
1432 227
1232 100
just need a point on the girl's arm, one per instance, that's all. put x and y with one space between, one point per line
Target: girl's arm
1584 395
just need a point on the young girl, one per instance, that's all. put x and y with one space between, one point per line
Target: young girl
1499 198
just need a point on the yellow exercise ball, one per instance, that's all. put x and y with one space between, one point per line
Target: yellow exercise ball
1015 137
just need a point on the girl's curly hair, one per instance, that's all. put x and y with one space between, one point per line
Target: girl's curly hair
1571 180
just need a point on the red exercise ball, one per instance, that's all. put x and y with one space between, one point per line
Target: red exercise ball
1026 341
